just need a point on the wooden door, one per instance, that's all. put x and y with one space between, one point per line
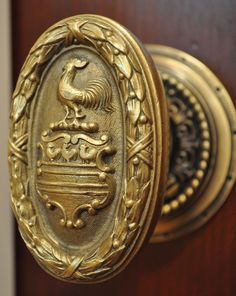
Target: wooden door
203 263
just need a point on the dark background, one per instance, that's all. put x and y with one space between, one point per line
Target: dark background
203 263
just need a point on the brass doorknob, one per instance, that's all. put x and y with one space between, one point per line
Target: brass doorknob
89 147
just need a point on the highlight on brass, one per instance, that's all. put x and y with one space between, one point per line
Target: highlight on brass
87 148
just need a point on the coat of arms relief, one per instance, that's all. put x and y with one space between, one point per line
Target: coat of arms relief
74 170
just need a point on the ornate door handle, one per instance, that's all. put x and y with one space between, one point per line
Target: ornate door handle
89 147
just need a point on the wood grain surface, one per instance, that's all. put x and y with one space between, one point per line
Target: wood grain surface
203 263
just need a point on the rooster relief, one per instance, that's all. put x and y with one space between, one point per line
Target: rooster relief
96 94
75 171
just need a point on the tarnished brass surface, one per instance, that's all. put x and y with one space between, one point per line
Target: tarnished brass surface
87 148
203 143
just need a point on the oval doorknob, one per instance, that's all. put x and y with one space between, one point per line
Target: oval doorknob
88 148
90 144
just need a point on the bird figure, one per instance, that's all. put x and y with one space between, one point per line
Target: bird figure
67 153
52 152
96 94
87 154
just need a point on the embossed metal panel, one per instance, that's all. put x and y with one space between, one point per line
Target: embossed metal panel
87 153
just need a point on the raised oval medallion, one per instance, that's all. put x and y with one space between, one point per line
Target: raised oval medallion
87 148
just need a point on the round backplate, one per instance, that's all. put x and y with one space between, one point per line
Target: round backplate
203 127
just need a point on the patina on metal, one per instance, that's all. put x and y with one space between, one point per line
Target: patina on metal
88 148
203 143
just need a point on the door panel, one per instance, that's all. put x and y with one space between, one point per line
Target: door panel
203 263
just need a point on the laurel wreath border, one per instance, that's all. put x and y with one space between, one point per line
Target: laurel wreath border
139 131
